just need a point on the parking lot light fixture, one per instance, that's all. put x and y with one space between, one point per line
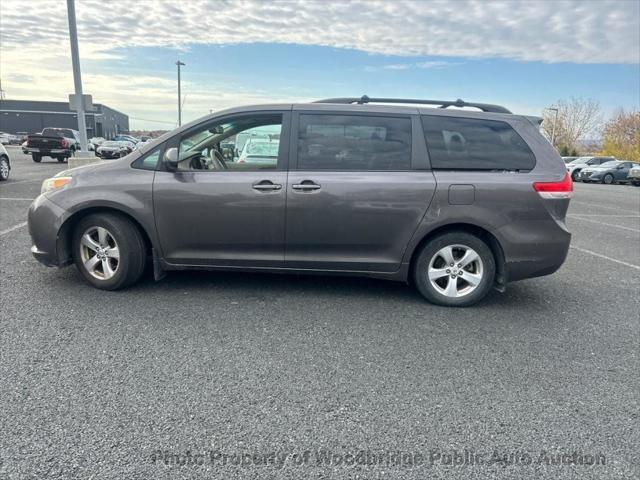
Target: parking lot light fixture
77 80
179 64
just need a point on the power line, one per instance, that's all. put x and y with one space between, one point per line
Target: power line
154 121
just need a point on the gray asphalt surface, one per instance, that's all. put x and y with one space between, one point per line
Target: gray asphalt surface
94 384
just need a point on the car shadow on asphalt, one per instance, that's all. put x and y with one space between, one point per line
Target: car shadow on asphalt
277 285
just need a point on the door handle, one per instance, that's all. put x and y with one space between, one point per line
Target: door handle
306 185
266 186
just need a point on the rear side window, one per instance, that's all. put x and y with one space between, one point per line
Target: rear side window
354 142
475 144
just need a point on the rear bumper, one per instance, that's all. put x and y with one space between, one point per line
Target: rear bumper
47 151
542 258
45 219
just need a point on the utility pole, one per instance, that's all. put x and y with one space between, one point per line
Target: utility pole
179 64
77 80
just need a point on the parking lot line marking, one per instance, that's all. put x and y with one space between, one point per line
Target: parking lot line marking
602 215
595 254
17 199
600 206
19 182
604 223
11 229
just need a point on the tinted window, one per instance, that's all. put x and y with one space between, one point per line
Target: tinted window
475 144
352 142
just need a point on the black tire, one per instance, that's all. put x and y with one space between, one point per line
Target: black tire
61 159
607 179
429 251
36 157
574 175
132 258
4 169
635 184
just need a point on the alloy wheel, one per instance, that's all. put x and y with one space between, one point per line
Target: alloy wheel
99 253
455 271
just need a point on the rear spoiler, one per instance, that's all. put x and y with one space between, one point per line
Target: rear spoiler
536 121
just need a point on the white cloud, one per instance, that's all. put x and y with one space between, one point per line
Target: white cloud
550 31
34 45
432 64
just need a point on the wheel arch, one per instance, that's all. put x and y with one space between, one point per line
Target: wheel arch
65 231
489 238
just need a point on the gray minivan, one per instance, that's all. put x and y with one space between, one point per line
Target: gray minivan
454 200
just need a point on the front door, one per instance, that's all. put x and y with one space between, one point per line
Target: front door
224 205
357 193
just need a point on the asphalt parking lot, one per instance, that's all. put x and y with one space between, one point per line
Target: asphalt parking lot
259 369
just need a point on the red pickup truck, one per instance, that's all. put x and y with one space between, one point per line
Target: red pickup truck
58 143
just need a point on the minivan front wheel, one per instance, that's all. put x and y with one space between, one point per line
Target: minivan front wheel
455 269
109 251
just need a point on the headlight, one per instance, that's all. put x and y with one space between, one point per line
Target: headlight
54 183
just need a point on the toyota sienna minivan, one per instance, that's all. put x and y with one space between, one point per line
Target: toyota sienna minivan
455 200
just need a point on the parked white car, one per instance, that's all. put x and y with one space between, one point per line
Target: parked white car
574 167
5 164
634 176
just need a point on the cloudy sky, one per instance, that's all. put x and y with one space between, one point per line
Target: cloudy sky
523 54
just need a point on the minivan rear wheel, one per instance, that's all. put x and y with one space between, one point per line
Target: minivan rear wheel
108 251
456 269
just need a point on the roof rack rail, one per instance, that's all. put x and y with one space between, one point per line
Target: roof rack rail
485 107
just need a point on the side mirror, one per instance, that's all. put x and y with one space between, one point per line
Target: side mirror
171 158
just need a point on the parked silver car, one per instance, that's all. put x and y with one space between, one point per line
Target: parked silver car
453 201
574 167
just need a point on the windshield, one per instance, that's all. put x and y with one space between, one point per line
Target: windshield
110 144
58 132
262 149
579 160
609 164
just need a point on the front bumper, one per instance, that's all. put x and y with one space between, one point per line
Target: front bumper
108 155
45 219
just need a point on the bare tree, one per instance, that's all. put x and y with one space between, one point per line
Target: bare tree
576 119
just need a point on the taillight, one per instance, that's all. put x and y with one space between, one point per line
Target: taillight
561 189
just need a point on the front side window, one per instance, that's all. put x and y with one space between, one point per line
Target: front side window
243 143
354 142
148 161
475 144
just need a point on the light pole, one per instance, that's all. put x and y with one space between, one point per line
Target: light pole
77 80
553 129
179 64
